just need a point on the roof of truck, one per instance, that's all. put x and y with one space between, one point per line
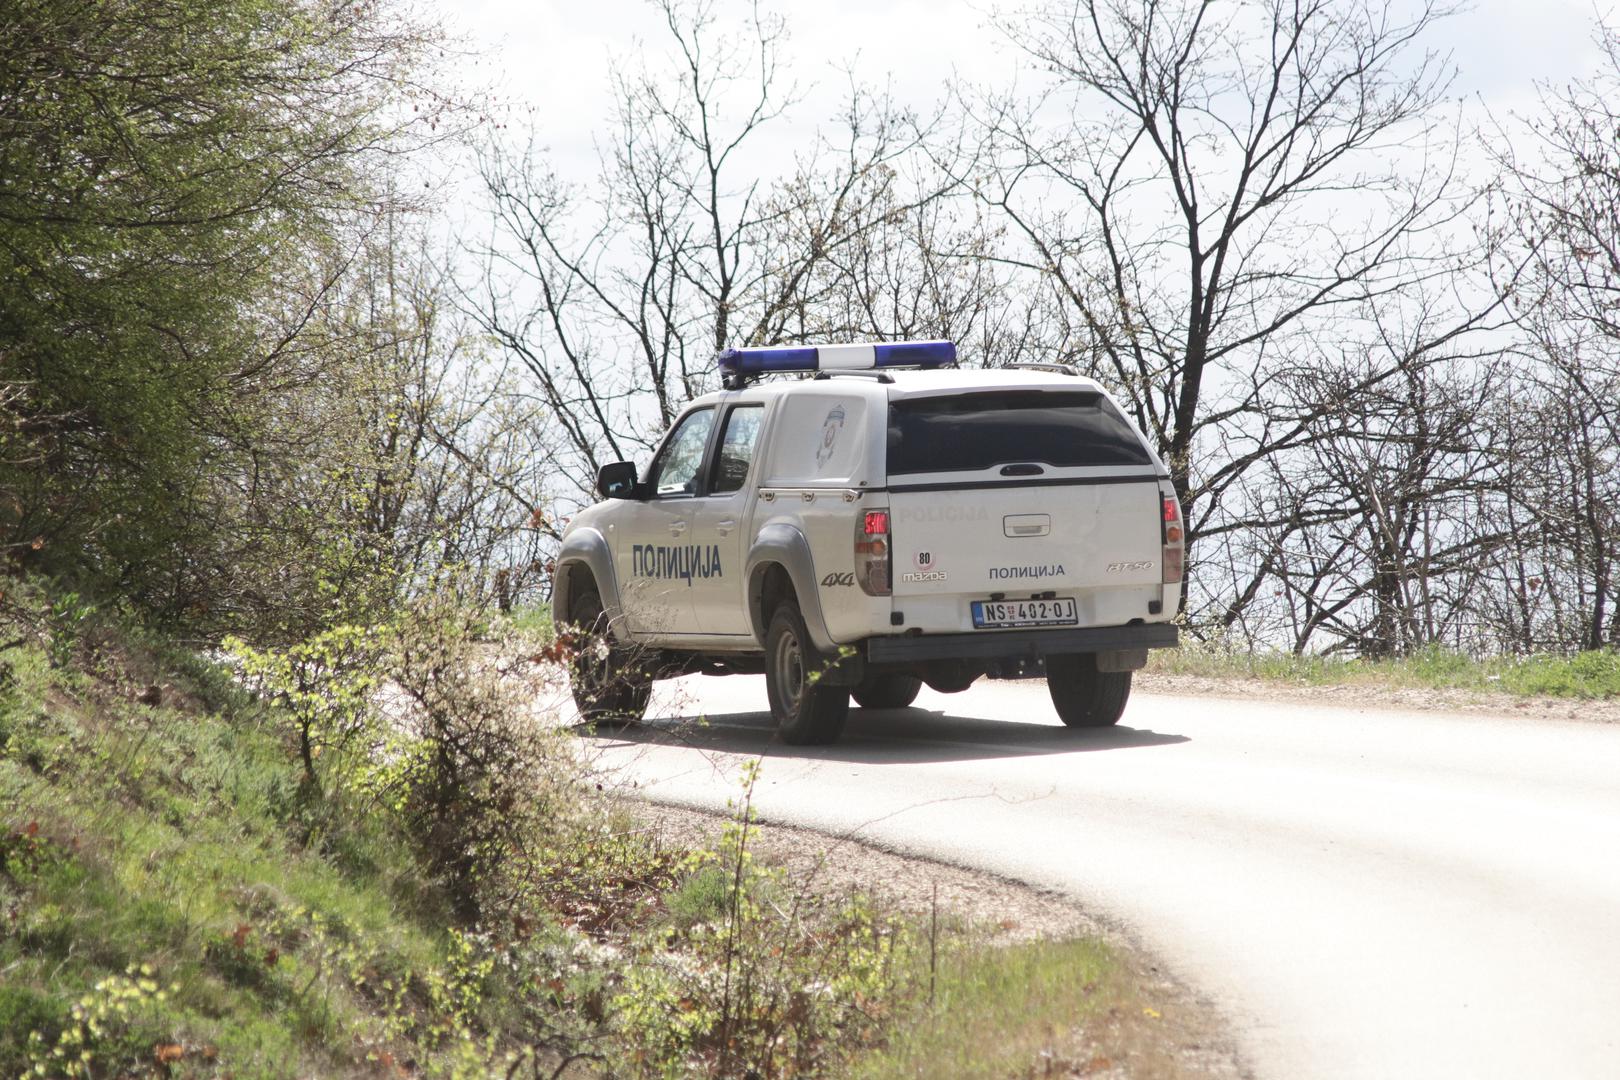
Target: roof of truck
902 383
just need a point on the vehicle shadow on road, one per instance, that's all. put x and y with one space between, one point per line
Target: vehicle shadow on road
890 736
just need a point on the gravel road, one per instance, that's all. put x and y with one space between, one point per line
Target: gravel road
1365 892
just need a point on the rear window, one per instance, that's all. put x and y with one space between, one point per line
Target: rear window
977 431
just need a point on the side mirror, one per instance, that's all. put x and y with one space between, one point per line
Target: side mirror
617 481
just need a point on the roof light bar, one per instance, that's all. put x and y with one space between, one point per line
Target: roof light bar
739 365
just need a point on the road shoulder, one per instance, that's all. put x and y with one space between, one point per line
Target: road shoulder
1160 1030
1355 695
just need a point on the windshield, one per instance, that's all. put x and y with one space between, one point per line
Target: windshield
1059 428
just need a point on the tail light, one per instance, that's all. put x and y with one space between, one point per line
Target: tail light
872 552
1175 542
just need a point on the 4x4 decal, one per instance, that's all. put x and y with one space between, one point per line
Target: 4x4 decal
685 562
845 578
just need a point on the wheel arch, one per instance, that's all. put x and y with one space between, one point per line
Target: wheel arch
780 561
584 556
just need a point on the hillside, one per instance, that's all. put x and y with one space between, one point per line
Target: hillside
179 898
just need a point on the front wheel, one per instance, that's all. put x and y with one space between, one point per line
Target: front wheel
808 711
887 691
611 683
1084 696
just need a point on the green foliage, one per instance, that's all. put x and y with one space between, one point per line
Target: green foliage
746 974
170 169
28 733
68 616
535 620
103 1030
463 901
414 718
476 780
704 895
136 835
1594 674
995 1010
323 686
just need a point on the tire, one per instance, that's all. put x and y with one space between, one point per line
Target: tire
1083 696
808 711
943 680
887 691
611 684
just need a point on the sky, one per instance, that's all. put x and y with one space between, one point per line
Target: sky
556 55
550 62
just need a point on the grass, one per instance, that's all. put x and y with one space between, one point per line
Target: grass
532 619
147 876
1586 675
174 902
996 1011
702 896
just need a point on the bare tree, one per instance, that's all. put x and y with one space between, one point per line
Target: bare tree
1218 193
389 449
1561 202
617 298
1385 549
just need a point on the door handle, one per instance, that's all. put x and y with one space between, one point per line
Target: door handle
676 528
724 527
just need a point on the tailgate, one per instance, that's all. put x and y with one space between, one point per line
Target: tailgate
1018 540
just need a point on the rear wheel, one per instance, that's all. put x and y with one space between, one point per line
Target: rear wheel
808 711
1084 696
611 683
887 691
950 678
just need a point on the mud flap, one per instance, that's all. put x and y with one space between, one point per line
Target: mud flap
1122 660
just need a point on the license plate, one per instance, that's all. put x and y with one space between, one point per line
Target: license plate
995 614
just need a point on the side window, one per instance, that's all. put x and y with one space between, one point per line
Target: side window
737 448
675 470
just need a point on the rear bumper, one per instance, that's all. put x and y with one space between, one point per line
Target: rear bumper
1017 644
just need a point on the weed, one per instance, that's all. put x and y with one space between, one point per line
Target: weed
445 898
475 779
751 974
107 1031
533 620
1583 675
69 615
994 1011
323 686
704 895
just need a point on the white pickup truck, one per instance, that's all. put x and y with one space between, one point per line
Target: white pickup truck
865 528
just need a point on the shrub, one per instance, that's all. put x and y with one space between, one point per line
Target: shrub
477 778
323 690
758 974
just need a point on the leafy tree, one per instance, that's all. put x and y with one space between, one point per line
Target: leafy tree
164 164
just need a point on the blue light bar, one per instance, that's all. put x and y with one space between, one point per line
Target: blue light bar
920 354
749 363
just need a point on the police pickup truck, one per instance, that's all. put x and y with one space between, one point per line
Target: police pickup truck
881 521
